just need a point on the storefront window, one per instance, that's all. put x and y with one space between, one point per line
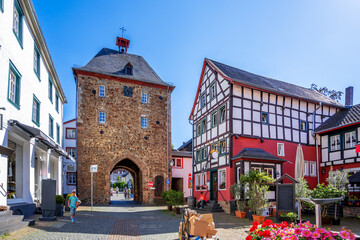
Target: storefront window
222 179
14 187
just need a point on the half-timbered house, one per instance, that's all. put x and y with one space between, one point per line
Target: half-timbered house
253 122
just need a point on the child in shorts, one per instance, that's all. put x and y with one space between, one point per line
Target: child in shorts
73 203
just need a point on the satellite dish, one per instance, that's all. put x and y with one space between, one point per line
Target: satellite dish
214 154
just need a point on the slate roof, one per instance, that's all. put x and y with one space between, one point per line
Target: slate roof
176 153
257 153
112 62
186 145
284 88
342 118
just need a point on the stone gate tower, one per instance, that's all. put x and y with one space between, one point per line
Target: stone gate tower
123 122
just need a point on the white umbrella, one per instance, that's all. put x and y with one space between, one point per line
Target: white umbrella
299 163
299 170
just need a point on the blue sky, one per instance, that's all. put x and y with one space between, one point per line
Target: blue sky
301 42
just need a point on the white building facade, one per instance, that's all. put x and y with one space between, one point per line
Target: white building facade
69 163
31 103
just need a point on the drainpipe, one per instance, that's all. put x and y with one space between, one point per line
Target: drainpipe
316 144
167 138
193 158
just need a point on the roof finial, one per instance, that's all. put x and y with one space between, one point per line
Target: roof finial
123 30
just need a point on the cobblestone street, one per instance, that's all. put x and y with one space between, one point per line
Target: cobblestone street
128 220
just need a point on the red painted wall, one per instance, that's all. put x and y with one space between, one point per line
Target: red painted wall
270 146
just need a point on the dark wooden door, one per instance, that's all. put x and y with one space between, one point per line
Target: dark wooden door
214 185
159 185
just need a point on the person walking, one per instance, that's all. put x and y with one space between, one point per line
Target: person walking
125 192
129 193
73 203
117 191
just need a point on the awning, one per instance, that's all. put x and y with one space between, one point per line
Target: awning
6 151
257 154
355 178
40 135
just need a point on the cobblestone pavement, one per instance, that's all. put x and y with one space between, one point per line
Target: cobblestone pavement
128 220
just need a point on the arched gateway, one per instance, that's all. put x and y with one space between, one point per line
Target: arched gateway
134 170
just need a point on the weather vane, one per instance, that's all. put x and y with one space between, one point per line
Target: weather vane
123 30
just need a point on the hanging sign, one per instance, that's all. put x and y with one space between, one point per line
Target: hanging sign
358 148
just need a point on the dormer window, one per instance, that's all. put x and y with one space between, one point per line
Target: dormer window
129 69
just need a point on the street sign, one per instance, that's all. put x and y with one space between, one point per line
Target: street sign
168 181
93 168
150 184
152 188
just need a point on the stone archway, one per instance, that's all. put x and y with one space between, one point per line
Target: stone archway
135 172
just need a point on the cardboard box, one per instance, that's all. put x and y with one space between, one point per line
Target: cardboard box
198 228
206 217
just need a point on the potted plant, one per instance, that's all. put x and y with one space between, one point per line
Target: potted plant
237 190
164 196
176 198
66 202
258 186
59 206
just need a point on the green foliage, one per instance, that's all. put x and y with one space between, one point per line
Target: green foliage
302 189
339 180
67 198
173 198
120 185
59 199
258 186
240 205
322 191
333 94
291 215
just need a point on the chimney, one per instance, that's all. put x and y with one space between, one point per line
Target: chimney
123 44
349 92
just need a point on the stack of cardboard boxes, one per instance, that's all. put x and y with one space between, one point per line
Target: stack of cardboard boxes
197 226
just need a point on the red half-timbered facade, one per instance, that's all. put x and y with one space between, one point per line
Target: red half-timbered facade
253 122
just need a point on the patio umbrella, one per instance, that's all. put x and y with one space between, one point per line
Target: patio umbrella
355 178
299 170
299 163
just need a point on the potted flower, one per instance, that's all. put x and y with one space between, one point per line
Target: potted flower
240 209
164 196
67 209
258 187
59 211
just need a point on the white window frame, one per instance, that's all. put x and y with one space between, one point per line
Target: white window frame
282 152
352 143
71 151
71 130
312 164
221 180
12 88
202 179
266 170
144 122
102 91
222 117
337 147
214 118
102 117
213 90
306 168
175 163
144 97
203 99
73 178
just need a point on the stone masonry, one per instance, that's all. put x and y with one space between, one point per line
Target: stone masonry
121 137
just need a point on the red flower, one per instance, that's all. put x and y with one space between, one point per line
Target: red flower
249 238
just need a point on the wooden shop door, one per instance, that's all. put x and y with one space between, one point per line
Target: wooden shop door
214 185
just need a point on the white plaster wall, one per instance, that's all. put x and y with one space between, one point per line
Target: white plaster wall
22 58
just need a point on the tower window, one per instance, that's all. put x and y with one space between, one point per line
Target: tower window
144 122
102 117
101 91
144 97
128 69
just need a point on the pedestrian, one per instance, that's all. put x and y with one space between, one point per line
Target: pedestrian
73 203
129 193
111 191
117 190
202 200
125 192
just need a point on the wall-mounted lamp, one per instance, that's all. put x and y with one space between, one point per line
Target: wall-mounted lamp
101 132
93 92
323 171
236 136
262 140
